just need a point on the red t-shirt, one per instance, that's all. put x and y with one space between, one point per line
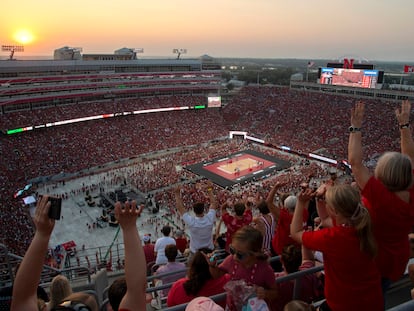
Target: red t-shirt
177 294
392 221
233 224
149 252
282 238
181 244
352 280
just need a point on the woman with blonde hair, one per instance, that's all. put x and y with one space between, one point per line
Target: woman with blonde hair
59 289
352 280
78 301
388 193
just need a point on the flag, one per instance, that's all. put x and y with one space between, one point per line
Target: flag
310 64
408 68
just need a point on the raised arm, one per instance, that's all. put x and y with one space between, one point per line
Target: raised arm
307 254
28 275
135 272
326 220
296 227
275 210
403 118
355 155
211 196
179 201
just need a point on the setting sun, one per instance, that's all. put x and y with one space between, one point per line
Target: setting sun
23 36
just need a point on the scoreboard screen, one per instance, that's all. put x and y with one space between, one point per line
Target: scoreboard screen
214 101
349 77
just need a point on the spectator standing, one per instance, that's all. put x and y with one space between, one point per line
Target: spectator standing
180 241
160 245
355 286
242 217
200 225
282 235
266 224
388 194
148 249
171 253
283 212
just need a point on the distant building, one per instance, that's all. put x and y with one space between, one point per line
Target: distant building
237 83
296 77
209 63
121 54
69 79
67 53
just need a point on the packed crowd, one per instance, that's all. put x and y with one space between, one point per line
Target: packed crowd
276 114
53 114
308 122
343 219
350 228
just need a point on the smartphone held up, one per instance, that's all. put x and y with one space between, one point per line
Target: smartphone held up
55 207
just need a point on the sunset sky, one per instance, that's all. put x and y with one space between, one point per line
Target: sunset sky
309 29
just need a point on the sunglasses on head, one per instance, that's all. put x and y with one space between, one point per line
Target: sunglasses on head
239 255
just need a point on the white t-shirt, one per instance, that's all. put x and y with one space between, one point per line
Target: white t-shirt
159 248
201 230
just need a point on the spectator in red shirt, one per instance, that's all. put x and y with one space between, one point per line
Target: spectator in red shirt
242 217
180 241
388 193
199 282
284 214
355 286
148 249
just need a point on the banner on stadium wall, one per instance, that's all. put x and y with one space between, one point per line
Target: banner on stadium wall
408 69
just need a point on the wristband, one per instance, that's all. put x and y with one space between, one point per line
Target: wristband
354 129
404 126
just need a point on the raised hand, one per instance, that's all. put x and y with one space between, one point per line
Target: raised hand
357 114
403 114
306 195
44 224
126 216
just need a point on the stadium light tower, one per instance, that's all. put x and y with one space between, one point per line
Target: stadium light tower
12 49
179 52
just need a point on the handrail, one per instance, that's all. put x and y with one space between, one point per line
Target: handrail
161 275
298 274
50 269
291 276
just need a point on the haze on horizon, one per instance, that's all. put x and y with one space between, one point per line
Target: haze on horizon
317 29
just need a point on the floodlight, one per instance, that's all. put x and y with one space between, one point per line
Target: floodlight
179 52
12 49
